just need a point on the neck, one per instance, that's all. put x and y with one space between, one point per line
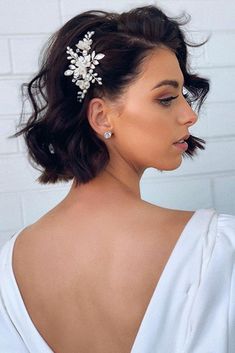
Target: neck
108 185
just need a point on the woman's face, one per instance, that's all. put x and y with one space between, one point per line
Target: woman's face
150 121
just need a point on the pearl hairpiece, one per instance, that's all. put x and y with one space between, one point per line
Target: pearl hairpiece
82 66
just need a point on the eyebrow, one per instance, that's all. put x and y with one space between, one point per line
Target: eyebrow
172 83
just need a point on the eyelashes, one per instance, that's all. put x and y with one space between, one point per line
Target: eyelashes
166 102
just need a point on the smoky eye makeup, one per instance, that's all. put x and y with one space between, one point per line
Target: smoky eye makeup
166 101
165 98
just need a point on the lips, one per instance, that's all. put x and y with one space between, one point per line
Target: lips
185 137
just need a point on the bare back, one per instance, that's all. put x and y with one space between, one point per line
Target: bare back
87 285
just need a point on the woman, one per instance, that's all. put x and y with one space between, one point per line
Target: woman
105 271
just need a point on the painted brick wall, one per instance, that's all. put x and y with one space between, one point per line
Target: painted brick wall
207 181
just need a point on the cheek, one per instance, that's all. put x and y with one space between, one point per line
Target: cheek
143 135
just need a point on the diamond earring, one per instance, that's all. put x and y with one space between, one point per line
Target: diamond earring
107 134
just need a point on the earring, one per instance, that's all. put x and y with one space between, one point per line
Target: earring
107 134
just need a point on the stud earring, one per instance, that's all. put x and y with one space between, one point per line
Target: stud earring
107 134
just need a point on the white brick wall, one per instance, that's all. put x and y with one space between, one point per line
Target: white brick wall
5 59
207 181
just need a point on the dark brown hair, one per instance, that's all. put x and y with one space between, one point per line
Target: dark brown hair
58 119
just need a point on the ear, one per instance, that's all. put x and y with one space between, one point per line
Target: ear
98 117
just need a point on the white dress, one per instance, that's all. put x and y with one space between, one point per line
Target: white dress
192 309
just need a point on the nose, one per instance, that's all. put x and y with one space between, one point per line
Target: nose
187 114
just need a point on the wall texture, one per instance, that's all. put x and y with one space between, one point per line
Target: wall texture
207 181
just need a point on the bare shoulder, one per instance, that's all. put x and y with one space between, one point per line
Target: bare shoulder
53 226
44 247
168 215
179 215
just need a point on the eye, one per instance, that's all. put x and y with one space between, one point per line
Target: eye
167 101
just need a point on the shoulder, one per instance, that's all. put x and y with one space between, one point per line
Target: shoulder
167 214
226 220
33 248
226 227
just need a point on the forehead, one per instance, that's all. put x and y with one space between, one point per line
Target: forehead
160 64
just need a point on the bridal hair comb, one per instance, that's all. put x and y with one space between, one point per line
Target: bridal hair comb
82 66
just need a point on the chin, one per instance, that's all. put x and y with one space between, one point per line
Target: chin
170 166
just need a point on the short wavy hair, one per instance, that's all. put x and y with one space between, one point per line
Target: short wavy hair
58 119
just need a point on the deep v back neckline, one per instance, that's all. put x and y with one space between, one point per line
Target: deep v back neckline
16 304
180 240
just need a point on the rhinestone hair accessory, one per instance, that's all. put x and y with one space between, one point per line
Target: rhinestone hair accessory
82 66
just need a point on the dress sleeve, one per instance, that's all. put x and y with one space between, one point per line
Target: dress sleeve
226 229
